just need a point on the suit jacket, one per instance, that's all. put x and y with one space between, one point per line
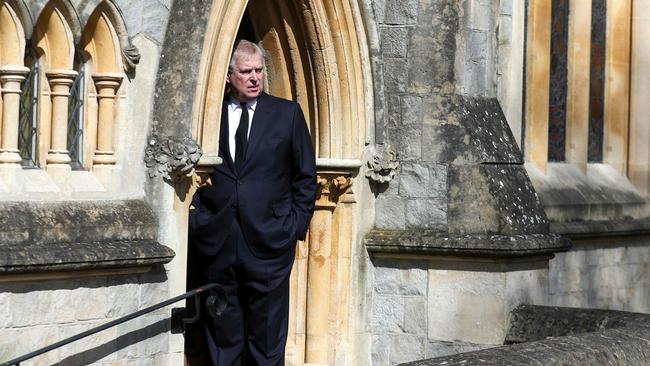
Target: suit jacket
274 192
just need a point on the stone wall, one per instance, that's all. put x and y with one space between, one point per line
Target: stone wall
608 274
441 306
37 309
461 188
37 313
553 336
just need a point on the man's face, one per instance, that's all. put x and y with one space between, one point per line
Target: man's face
247 77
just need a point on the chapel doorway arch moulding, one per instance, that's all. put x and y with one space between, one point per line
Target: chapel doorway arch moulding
317 55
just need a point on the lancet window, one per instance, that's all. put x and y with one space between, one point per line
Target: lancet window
27 127
59 97
76 116
578 76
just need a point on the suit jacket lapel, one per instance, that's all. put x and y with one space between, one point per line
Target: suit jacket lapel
224 141
259 125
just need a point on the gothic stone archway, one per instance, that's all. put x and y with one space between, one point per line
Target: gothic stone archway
317 56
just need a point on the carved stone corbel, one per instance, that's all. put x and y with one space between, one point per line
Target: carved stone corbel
383 166
172 158
331 186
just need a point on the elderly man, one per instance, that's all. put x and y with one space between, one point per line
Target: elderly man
245 226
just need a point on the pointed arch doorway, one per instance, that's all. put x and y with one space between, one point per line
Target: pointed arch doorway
317 56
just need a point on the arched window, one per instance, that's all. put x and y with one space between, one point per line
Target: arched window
27 128
76 115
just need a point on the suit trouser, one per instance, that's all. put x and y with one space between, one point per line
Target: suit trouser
253 328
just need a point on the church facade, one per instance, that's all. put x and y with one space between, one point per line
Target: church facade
473 156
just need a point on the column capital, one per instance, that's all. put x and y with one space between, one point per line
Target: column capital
13 70
110 81
11 76
61 77
331 186
13 73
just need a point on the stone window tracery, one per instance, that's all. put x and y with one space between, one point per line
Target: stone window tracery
61 82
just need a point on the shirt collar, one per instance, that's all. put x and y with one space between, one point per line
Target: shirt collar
234 103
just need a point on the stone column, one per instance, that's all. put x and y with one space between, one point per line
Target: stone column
11 77
318 346
106 85
60 83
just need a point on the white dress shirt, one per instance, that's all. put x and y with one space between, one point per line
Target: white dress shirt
234 115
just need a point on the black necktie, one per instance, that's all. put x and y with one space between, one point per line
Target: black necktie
241 137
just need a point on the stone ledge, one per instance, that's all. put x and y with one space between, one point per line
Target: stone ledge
78 235
587 229
436 243
576 337
76 221
37 257
531 323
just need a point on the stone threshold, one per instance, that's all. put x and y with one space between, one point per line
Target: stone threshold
57 256
545 336
439 243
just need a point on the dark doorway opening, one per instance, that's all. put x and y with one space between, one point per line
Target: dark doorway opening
196 353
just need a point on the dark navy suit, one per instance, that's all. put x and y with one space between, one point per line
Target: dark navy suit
244 230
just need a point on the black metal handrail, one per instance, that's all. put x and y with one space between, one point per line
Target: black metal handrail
216 305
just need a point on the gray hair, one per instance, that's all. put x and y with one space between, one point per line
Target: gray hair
245 47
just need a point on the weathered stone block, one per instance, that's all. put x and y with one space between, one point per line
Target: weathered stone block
442 142
394 41
122 299
394 111
412 110
407 141
395 75
413 280
426 214
390 212
505 38
467 305
401 12
97 348
378 7
405 348
154 20
6 319
493 199
78 302
380 353
387 314
7 344
415 315
132 11
479 13
527 286
386 280
506 7
477 48
152 293
423 181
